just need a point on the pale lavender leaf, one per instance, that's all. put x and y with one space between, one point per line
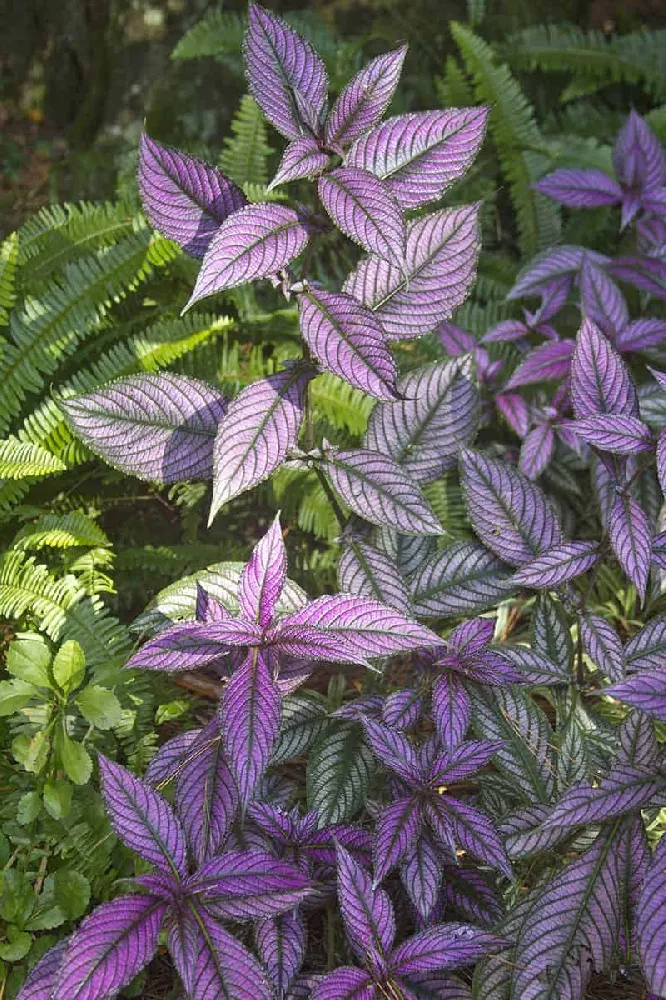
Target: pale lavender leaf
170 758
602 300
580 188
536 451
363 101
189 645
281 945
462 579
394 750
451 710
397 829
248 885
638 157
631 539
157 427
419 155
365 210
446 946
510 514
264 577
603 645
367 912
184 198
40 982
627 788
421 874
380 491
110 948
206 796
262 424
437 414
641 334
346 983
515 410
600 381
645 691
648 647
348 340
648 274
440 265
650 924
547 362
281 67
550 265
253 243
554 567
654 200
302 158
366 571
143 820
622 435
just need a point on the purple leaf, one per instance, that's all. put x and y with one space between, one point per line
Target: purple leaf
394 750
638 744
264 577
603 645
170 758
580 188
40 982
461 762
365 98
422 875
398 827
515 411
659 550
109 948
471 636
627 788
281 946
367 912
302 158
549 361
380 491
648 274
260 428
157 427
183 197
451 710
455 340
506 332
454 821
638 158
283 72
600 381
531 667
462 579
250 713
648 647
363 208
402 709
366 571
654 201
440 265
420 155
248 885
525 835
641 333
312 643
646 691
254 243
536 451
346 983
650 927
206 796
143 820
623 435
207 608
554 567
631 539
661 460
509 514
437 413
188 645
559 264
602 300
446 946
348 340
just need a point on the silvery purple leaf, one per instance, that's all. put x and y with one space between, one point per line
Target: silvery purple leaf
397 829
421 874
250 713
367 912
188 645
603 645
472 830
248 885
157 427
622 435
440 265
395 750
206 796
558 264
446 946
458 763
402 708
261 426
366 571
600 380
661 460
638 158
207 609
640 334
451 710
626 789
348 340
554 567
302 158
346 983
551 360
183 197
462 579
283 72
659 550
264 577
645 691
602 300
587 188
308 642
536 451
455 340
40 982
509 513
650 928
281 945
515 410
525 835
170 757
437 413
380 491
110 948
631 539
470 637
533 667
364 209
638 744
143 820
365 98
648 647
419 155
648 274
254 243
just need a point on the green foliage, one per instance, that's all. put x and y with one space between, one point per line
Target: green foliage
245 154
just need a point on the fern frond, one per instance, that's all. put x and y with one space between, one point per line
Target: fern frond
478 317
453 89
447 500
339 403
245 154
514 130
217 34
656 119
174 561
90 568
61 531
20 460
9 252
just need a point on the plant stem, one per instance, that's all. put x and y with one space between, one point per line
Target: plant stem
331 497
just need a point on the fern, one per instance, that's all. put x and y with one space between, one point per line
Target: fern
90 569
57 531
8 258
20 459
342 406
446 499
515 133
246 152
217 34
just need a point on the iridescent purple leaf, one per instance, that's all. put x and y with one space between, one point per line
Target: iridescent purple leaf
462 579
549 361
40 982
659 550
451 710
506 332
254 243
650 922
394 750
262 424
625 789
631 539
603 645
207 608
380 491
554 567
248 885
589 188
471 829
661 460
264 577
470 636
638 158
509 513
282 67
533 667
648 274
421 874
346 983
397 829
515 410
302 158
600 381
436 415
348 340
309 642
622 435
440 265
109 948
183 197
648 647
641 333
461 762
143 820
250 714
157 427
525 835
365 98
561 263
402 708
446 946
170 758
206 796
638 744
366 571
646 691
536 451
363 208
602 300
420 155
188 645
367 912
281 946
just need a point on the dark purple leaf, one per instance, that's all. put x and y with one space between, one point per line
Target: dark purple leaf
638 158
248 885
281 945
650 925
264 577
302 158
398 827
422 874
207 608
40 982
402 709
622 435
346 983
394 750
470 636
558 264
206 796
456 822
363 208
451 710
554 567
458 763
366 571
446 946
602 300
588 188
183 197
462 579
631 539
367 912
548 361
365 98
170 758
188 645
600 381
603 645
